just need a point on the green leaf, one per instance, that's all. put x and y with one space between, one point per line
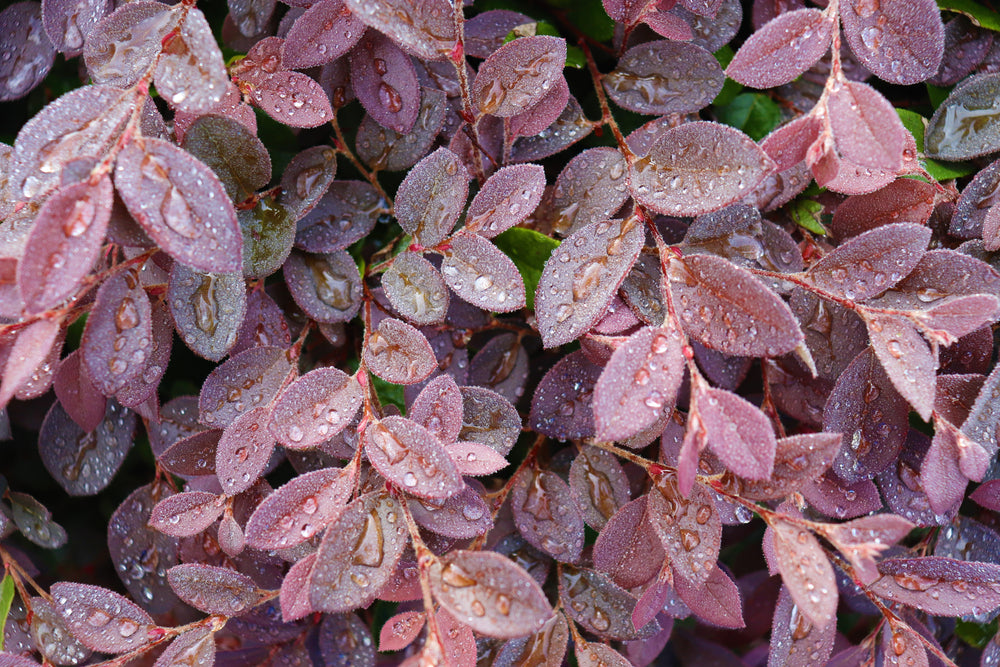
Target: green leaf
6 599
937 94
976 634
806 214
754 113
529 250
575 57
941 171
589 16
979 15
730 88
388 392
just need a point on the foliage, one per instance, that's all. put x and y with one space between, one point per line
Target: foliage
505 331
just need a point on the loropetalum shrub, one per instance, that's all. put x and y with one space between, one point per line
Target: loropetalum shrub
534 376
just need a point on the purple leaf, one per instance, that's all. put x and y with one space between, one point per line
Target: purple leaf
727 309
244 451
424 28
411 457
69 22
546 514
689 528
32 346
314 408
385 82
806 571
101 619
489 419
398 353
293 99
194 647
795 640
118 333
64 243
940 586
663 77
681 176
432 196
213 590
187 513
882 38
872 262
479 273
401 630
590 188
598 485
77 395
207 309
463 516
518 74
581 276
22 35
345 214
628 548
640 381
326 31
506 198
358 554
167 191
124 45
300 509
716 601
438 408
907 358
561 405
866 129
190 73
327 287
782 49
737 431
244 380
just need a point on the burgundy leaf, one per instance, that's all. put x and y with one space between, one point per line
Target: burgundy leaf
489 419
940 586
50 634
903 200
465 515
866 129
307 178
293 99
729 310
64 243
300 509
244 451
314 408
872 262
32 346
481 274
542 113
682 176
401 630
327 287
907 358
737 431
263 324
186 513
193 647
782 49
118 333
410 456
663 77
167 191
327 30
806 571
881 36
358 554
124 45
68 23
142 387
581 276
546 514
385 82
398 353
101 619
387 149
628 548
77 394
432 196
862 539
593 654
518 74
